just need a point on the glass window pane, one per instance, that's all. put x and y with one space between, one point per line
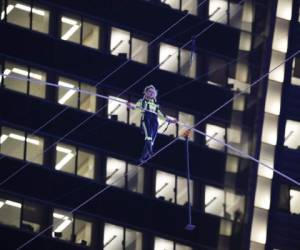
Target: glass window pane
40 19
225 228
160 244
284 9
113 237
65 158
12 142
168 57
119 42
15 70
83 232
70 29
187 63
190 6
165 186
67 95
35 148
165 128
175 4
139 50
187 119
259 226
273 99
281 34
182 191
88 101
292 134
32 217
10 212
135 178
234 205
116 110
276 59
133 240
62 225
263 193
217 9
90 35
216 132
267 154
135 117
294 201
269 133
295 80
115 172
86 165
18 13
214 201
37 88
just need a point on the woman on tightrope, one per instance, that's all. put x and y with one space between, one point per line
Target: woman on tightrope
149 120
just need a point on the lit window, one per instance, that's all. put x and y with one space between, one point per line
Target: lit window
215 132
114 238
232 164
115 172
135 117
70 29
14 70
163 244
175 4
135 178
87 101
190 6
296 72
214 201
86 164
120 42
117 110
10 212
257 246
182 191
292 134
263 193
82 232
63 223
32 217
40 20
187 63
168 57
217 9
65 158
267 154
34 149
281 34
259 226
284 9
294 201
36 88
276 59
273 99
165 186
225 227
19 13
139 50
67 93
269 133
90 35
187 119
12 142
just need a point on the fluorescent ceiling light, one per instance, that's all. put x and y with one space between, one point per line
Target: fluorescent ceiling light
60 216
38 12
8 10
13 203
3 138
63 150
70 32
69 21
68 95
22 138
6 73
25 73
64 161
63 226
23 7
